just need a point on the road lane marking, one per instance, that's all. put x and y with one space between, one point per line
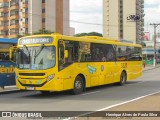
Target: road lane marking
90 93
109 107
135 99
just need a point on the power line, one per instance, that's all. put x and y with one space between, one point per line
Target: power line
80 22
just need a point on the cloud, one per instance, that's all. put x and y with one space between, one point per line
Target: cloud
90 11
152 2
86 15
152 13
152 16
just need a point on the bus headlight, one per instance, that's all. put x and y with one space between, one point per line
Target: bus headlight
50 77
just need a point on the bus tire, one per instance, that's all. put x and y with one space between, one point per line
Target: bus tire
78 85
123 78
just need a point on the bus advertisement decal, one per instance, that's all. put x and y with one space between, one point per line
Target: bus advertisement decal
91 69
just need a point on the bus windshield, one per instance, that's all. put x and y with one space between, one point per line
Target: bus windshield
36 58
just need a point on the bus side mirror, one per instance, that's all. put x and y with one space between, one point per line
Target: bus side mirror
66 54
12 54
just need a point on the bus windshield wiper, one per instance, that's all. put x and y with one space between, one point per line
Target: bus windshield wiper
28 53
39 51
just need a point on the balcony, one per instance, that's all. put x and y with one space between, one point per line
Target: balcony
3 18
14 26
25 25
14 17
13 36
43 15
4 27
4 9
43 5
25 5
25 15
43 25
14 7
4 36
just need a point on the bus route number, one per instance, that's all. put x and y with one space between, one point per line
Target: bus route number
123 65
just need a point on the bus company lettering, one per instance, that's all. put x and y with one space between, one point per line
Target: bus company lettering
4 69
35 41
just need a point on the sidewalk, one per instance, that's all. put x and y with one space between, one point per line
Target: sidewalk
146 108
8 89
150 67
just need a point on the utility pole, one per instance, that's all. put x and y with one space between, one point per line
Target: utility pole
155 36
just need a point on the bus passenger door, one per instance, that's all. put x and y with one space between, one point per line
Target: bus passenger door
68 51
111 64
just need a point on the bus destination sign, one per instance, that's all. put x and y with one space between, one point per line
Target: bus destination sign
38 40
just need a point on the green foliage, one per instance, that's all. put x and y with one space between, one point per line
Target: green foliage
19 36
88 34
43 31
143 44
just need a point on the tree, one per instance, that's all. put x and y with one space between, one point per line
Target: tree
88 34
19 36
43 31
143 44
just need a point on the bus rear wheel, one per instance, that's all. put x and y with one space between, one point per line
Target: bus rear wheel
78 85
123 78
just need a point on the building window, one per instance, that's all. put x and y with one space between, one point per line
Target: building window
43 20
43 10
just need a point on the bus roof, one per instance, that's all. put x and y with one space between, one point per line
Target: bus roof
94 39
8 40
97 39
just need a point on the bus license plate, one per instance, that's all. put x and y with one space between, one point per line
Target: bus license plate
30 88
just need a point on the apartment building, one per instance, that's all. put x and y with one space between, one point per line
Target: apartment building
29 16
123 19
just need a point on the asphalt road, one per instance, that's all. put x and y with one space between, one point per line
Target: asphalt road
93 99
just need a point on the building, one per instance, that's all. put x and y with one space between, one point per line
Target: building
29 16
72 31
123 19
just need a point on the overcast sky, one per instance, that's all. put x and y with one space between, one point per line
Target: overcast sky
86 15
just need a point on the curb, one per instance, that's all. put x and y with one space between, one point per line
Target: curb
9 89
151 68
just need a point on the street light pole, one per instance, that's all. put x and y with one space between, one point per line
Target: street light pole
155 36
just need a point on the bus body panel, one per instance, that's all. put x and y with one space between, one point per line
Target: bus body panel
7 75
7 64
105 73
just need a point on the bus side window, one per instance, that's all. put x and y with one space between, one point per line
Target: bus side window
61 54
7 57
2 56
72 48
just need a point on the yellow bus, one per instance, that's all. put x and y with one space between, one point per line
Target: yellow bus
56 62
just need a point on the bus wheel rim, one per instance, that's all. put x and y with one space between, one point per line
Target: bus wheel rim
78 85
123 78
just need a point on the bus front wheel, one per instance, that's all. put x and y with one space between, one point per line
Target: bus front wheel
123 78
78 85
